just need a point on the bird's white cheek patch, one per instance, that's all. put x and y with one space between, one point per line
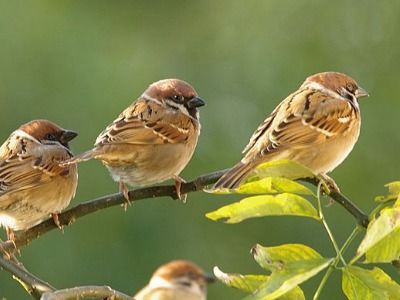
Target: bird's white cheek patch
180 107
159 282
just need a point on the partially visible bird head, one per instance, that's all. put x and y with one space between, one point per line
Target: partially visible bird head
175 94
184 275
339 83
46 131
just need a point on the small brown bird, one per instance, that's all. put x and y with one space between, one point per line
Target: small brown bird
33 184
176 280
153 139
317 126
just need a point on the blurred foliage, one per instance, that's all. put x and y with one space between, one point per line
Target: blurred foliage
79 63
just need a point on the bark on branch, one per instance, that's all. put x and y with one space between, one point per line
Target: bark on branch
32 284
42 290
91 206
83 292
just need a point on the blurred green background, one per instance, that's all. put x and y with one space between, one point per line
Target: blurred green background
80 63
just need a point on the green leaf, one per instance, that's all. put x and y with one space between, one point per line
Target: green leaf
250 283
386 250
394 192
282 168
290 264
267 257
265 205
273 185
245 283
271 178
382 240
363 284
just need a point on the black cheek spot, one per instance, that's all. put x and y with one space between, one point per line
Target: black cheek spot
23 146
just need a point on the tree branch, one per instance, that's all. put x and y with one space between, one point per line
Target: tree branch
82 292
358 214
32 284
42 290
69 216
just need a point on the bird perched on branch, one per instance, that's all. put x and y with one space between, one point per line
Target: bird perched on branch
316 126
33 183
176 280
153 139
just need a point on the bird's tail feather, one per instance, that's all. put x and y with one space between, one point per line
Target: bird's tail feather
82 157
232 178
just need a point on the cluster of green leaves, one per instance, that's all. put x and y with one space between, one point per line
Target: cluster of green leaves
274 191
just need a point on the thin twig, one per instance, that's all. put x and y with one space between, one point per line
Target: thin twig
82 292
69 216
40 289
32 284
358 214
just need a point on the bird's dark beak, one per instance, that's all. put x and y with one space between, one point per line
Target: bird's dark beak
361 93
67 136
209 278
195 102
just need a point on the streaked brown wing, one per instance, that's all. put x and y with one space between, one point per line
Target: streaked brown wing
147 122
303 118
261 129
26 163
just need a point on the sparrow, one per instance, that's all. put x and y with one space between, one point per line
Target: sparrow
316 126
33 183
153 139
176 280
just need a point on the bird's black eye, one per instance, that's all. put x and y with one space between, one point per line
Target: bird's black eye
51 137
178 98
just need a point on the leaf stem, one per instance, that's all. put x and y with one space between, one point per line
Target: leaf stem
323 282
351 237
334 264
328 230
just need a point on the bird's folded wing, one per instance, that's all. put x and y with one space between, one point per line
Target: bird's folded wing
25 163
304 117
261 129
147 123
